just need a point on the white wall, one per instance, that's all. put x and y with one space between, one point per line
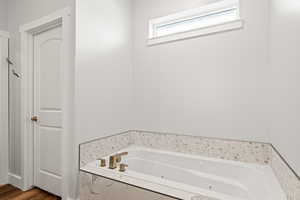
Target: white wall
209 86
212 85
3 110
3 15
103 68
21 12
3 147
285 83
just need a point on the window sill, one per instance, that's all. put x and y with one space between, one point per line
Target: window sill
228 26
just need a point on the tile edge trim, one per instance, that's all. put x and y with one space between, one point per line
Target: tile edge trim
285 161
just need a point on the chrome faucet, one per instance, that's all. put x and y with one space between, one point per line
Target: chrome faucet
115 159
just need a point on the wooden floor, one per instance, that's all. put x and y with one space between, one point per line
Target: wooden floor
8 192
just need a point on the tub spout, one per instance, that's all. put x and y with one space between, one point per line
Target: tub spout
115 159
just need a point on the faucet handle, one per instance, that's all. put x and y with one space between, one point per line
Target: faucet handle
115 159
102 162
119 156
123 167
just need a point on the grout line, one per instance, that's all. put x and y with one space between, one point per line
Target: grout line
285 161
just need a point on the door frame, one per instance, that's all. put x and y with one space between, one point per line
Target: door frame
4 158
61 18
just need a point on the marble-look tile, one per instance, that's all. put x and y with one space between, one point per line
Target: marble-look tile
290 183
99 188
103 147
250 152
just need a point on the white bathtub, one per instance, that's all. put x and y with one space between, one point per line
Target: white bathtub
185 176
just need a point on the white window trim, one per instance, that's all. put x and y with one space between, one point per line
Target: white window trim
222 27
233 25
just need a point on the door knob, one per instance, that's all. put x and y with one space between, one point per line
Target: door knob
34 119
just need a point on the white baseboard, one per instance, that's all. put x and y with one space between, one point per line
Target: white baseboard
15 180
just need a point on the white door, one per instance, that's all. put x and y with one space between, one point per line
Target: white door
48 110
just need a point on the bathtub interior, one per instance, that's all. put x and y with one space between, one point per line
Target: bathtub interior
187 177
196 174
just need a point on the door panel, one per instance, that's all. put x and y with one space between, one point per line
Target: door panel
49 59
50 118
48 108
50 150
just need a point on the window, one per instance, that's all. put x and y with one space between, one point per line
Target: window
211 18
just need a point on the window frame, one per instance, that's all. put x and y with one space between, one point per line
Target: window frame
201 11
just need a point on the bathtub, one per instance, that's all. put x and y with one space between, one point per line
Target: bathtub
185 176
